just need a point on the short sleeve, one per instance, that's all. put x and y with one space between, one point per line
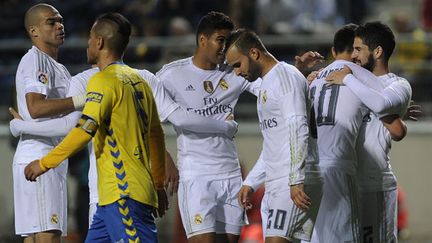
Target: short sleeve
99 101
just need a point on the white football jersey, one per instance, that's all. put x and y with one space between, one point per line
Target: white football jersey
283 112
38 73
213 94
374 171
339 115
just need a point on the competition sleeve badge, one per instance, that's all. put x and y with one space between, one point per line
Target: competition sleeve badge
208 86
223 84
42 77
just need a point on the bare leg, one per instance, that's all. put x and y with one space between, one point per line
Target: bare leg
203 238
52 236
29 239
276 240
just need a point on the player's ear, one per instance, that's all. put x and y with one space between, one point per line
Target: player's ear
254 53
100 42
33 31
202 40
378 52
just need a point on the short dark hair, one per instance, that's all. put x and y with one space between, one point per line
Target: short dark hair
212 22
244 40
344 38
374 34
121 30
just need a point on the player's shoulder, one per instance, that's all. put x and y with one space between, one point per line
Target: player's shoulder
145 74
174 66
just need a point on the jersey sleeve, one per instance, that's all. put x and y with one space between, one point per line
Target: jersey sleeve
157 145
99 101
393 99
164 103
294 112
252 87
36 79
256 176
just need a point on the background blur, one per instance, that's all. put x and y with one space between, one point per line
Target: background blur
164 31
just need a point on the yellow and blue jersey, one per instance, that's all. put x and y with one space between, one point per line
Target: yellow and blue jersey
121 105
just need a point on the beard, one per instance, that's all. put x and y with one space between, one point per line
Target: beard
254 71
91 59
370 64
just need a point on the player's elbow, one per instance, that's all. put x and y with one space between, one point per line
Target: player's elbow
34 112
398 135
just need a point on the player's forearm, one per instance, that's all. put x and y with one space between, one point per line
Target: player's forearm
49 107
157 155
72 143
58 127
256 176
200 124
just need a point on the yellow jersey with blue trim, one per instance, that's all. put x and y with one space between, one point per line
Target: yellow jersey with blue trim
121 105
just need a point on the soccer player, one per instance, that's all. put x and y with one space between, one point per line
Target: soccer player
208 164
120 113
40 208
373 45
168 110
292 177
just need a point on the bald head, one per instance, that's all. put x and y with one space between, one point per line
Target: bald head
33 16
114 29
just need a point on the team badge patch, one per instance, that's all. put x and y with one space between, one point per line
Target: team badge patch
223 84
264 97
198 218
42 77
208 86
54 219
94 97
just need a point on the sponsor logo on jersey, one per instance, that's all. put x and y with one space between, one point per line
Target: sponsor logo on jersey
198 218
190 88
268 123
54 219
212 110
223 84
208 86
42 77
94 97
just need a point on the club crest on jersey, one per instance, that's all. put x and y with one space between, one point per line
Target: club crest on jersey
263 96
198 219
223 84
54 219
42 77
94 97
208 86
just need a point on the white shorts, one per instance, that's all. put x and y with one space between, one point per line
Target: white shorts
281 218
378 216
42 205
210 206
338 219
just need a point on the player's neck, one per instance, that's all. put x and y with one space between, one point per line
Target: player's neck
381 69
49 50
202 62
107 59
268 62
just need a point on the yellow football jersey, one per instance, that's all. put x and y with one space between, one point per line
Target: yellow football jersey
121 105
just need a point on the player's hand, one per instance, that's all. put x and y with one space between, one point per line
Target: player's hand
299 197
162 204
312 76
308 60
337 77
15 114
244 196
171 175
232 126
33 170
413 112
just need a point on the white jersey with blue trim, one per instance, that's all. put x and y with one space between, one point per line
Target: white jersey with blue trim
210 93
374 172
339 115
38 73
